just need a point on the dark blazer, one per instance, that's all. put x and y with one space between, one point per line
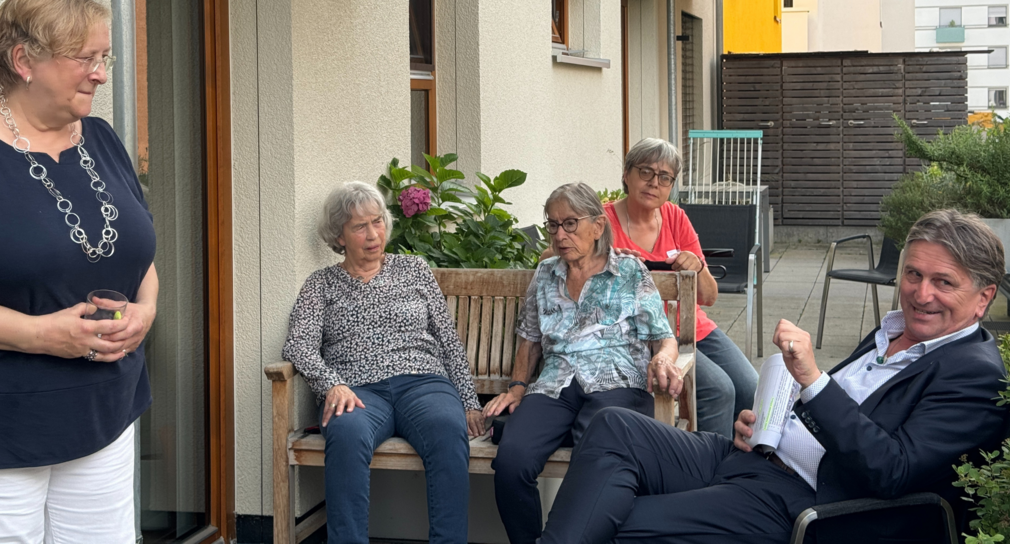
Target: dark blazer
905 437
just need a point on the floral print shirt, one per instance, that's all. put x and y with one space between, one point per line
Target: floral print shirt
346 332
601 340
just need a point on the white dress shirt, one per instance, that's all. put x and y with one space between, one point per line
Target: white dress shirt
859 379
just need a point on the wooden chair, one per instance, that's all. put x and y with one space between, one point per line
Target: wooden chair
484 305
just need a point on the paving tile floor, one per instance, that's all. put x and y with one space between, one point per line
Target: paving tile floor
793 290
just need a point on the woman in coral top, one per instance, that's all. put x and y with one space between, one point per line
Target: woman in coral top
651 227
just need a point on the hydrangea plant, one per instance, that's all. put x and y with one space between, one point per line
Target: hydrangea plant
450 225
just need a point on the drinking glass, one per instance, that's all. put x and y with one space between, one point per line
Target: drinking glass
106 304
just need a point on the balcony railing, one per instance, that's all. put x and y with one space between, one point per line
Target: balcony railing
950 34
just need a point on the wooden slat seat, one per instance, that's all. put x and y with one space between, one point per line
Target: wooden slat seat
485 305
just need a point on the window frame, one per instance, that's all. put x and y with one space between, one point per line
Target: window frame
786 4
989 103
1006 52
420 66
559 36
943 21
989 16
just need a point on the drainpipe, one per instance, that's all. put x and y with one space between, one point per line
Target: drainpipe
671 80
124 122
124 76
718 64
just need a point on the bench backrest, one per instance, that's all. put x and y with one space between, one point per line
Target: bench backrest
486 304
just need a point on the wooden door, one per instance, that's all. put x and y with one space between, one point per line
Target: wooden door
935 96
811 141
872 158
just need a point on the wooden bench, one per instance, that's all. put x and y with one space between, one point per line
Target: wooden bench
485 305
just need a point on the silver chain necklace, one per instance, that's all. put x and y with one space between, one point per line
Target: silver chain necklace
106 247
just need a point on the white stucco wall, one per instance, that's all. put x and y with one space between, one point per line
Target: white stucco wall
309 112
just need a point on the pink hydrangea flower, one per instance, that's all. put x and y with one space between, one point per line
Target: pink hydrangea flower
414 200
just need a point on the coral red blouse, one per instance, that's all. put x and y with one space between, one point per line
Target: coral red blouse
676 233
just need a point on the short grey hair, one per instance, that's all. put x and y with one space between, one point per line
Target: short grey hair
341 204
974 246
652 150
583 200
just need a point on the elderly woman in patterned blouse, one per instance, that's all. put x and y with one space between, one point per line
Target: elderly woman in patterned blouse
373 338
595 317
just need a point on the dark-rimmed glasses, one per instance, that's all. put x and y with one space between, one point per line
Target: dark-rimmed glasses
91 64
647 174
570 225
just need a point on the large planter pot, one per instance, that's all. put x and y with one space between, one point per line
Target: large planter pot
1002 229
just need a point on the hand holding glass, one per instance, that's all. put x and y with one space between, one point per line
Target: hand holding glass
105 304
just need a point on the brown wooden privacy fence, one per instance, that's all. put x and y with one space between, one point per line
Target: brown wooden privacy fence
829 151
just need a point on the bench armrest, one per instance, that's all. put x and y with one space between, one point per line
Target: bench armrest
279 372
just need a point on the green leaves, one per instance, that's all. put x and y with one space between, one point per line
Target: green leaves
988 486
463 228
978 160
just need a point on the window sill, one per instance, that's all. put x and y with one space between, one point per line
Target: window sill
562 56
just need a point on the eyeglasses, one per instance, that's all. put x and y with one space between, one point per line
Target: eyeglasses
570 225
91 64
647 174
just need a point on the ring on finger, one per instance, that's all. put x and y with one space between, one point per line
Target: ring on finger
791 347
91 355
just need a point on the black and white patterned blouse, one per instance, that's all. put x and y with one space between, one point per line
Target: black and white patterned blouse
347 332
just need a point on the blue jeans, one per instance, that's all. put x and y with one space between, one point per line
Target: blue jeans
726 383
425 410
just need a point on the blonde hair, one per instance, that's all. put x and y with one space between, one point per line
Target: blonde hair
46 28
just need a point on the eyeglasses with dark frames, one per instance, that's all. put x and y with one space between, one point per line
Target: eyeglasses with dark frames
91 64
647 174
570 225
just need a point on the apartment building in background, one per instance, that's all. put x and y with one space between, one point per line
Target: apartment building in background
970 26
877 26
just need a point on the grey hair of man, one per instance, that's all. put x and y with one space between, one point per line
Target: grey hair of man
649 151
582 199
972 244
340 206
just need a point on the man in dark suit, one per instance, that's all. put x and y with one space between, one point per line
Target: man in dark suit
890 420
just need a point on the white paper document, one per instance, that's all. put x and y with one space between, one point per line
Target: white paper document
773 402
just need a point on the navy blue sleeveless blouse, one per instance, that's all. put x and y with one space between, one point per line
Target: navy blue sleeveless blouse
52 409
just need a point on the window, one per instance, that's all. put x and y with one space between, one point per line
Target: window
997 97
559 21
422 56
422 81
787 3
997 59
997 15
950 16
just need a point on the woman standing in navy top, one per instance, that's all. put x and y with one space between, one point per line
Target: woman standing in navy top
72 220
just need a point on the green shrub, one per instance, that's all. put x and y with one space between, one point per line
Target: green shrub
914 195
610 196
978 158
453 226
988 486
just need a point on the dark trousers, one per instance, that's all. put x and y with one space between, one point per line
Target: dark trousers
633 479
538 427
425 410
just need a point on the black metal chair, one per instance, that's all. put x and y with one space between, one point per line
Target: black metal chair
884 273
733 229
836 510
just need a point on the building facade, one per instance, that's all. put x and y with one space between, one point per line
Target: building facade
970 26
854 25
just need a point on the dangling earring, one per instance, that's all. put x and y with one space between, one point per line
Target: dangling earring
28 82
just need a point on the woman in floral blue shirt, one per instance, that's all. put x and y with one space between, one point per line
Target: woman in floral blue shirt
597 319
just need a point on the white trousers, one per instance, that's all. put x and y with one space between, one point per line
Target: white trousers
84 501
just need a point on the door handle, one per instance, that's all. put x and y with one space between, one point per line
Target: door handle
766 124
827 122
854 123
918 122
